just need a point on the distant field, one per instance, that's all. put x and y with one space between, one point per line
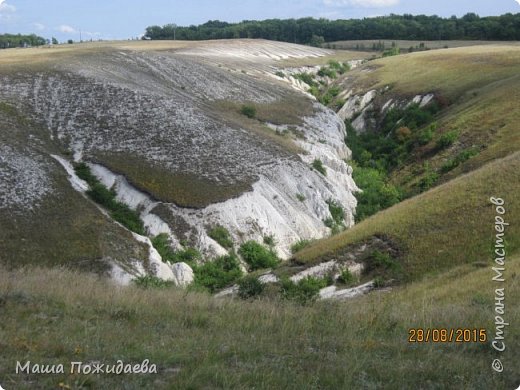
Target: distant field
405 45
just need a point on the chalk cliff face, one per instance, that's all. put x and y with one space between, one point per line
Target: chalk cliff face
164 130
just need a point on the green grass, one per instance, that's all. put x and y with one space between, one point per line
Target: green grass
486 121
299 245
184 190
317 164
221 235
289 110
447 226
57 316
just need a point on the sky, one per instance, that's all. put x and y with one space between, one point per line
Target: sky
125 19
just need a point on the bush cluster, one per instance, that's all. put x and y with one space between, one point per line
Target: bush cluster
221 235
383 265
250 287
307 78
258 256
304 291
377 193
447 139
107 198
346 277
459 159
217 274
248 110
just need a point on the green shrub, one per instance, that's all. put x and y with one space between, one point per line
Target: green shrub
336 211
188 255
447 139
221 235
248 110
346 277
428 180
307 78
127 217
269 240
339 67
318 165
280 74
334 91
300 197
162 245
299 245
100 194
250 287
258 256
383 259
384 265
217 274
459 159
327 72
377 194
149 281
84 173
305 291
391 52
425 136
325 99
314 91
379 282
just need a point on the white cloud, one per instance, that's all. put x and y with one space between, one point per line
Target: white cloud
92 34
39 26
6 10
362 3
64 28
4 7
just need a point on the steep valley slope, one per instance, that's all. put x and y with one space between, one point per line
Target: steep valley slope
161 125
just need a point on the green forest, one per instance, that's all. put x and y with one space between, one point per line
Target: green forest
18 40
316 31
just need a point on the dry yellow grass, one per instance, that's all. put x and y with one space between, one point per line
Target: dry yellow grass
54 316
449 72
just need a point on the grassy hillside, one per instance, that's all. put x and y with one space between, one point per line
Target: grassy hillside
64 228
453 223
450 72
198 342
485 123
449 225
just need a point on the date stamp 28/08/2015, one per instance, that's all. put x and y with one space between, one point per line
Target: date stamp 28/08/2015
447 335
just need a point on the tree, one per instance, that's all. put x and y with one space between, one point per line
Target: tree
54 41
317 40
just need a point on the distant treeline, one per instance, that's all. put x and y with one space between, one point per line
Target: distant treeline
316 31
18 40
